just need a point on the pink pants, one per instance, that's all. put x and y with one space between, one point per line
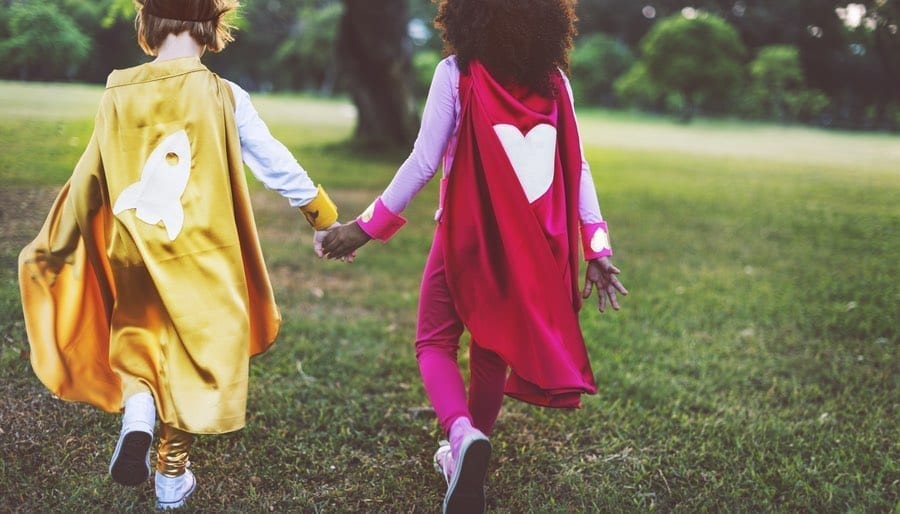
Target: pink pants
437 343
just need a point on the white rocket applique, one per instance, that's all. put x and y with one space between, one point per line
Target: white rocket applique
531 156
157 195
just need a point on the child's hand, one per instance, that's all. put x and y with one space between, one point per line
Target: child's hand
319 236
602 274
342 242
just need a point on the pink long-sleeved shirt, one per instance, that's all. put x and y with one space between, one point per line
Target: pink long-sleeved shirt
437 141
436 145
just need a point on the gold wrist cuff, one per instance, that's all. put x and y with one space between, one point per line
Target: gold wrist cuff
321 213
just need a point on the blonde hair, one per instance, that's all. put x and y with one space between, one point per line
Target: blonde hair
204 19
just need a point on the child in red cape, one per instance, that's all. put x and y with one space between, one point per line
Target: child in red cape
516 197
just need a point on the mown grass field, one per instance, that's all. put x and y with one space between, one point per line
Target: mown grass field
754 367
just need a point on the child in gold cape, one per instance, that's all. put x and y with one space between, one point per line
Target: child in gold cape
146 287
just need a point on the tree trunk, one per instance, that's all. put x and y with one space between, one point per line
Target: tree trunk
689 107
375 56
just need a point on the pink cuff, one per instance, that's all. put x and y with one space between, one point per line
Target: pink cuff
379 222
595 240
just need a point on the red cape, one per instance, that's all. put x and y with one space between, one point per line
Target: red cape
512 266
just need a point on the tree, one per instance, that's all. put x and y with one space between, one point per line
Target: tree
700 57
375 57
110 25
778 89
887 39
307 54
870 67
595 63
635 89
260 59
775 72
43 43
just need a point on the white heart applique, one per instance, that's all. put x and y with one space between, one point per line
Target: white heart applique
531 156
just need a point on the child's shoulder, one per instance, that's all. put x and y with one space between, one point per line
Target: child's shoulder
121 76
447 70
239 95
237 90
449 61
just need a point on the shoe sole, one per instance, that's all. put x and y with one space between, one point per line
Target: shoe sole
465 495
131 460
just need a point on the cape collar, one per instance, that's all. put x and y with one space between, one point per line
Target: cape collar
151 71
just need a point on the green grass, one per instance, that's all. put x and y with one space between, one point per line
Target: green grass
753 368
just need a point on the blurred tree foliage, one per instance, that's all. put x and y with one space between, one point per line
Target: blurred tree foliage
283 45
778 89
425 62
848 53
854 60
635 89
594 64
310 50
700 57
42 43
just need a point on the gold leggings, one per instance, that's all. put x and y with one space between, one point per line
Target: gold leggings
172 453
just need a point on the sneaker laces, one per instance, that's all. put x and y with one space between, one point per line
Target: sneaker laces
443 460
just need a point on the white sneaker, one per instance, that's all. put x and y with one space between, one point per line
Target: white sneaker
465 490
173 492
130 463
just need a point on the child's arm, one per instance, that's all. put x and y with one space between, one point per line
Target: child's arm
274 165
381 220
437 127
601 273
594 231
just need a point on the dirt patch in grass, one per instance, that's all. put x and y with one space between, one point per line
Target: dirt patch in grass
22 212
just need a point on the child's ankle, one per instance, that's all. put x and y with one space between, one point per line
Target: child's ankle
139 413
460 425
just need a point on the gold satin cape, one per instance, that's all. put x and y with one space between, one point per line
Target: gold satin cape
109 296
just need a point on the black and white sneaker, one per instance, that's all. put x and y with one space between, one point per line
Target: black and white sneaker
130 463
465 492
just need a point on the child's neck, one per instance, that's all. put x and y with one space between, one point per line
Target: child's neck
177 46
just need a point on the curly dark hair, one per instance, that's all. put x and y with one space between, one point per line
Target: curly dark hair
518 41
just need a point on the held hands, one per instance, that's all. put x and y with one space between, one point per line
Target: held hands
342 242
319 238
602 274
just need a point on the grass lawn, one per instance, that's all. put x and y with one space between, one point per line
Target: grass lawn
754 367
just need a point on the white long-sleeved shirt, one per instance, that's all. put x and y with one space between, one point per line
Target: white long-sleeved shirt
269 160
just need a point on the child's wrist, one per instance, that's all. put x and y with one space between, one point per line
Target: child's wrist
321 212
595 240
378 222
